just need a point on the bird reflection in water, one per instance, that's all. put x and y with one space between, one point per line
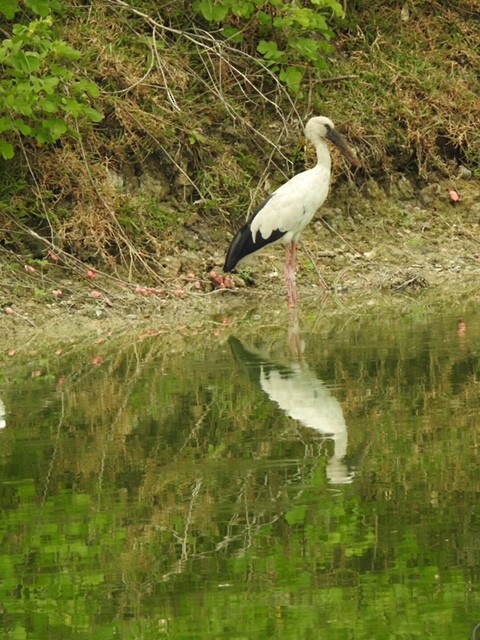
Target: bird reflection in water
3 417
297 391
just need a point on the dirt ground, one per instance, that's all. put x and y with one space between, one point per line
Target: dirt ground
376 250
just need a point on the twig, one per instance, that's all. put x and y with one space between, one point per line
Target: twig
323 282
338 78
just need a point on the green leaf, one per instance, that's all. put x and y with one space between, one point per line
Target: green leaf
42 7
87 86
64 50
6 124
48 106
232 33
23 127
52 129
264 18
335 6
25 62
307 47
6 150
211 11
195 136
92 114
72 107
282 22
292 77
19 104
49 84
61 71
9 8
270 50
243 9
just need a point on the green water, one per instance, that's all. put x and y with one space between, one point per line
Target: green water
229 486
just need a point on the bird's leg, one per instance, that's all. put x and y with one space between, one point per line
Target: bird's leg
295 341
287 273
290 275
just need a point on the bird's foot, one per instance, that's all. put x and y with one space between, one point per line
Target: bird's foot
221 282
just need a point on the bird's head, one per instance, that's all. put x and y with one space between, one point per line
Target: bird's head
320 127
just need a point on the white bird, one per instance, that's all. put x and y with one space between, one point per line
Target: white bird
286 213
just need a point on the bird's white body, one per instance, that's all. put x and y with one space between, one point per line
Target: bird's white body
292 206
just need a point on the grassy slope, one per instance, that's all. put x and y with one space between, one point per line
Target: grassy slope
414 84
194 135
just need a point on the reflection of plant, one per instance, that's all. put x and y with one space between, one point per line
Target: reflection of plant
41 94
289 34
161 483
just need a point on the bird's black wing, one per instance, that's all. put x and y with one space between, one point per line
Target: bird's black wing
253 362
243 244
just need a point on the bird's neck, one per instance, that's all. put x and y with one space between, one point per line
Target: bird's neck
323 155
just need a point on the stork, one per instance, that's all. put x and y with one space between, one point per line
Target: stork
284 215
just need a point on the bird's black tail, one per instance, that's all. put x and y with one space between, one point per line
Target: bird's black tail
243 245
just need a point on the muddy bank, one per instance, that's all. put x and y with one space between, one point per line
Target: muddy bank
376 251
36 328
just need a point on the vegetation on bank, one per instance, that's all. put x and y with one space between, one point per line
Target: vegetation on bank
138 121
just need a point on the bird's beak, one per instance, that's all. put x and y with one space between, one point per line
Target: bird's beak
339 141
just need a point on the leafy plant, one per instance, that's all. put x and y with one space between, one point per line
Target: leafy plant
291 35
40 90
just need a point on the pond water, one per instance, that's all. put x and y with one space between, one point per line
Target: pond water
246 485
